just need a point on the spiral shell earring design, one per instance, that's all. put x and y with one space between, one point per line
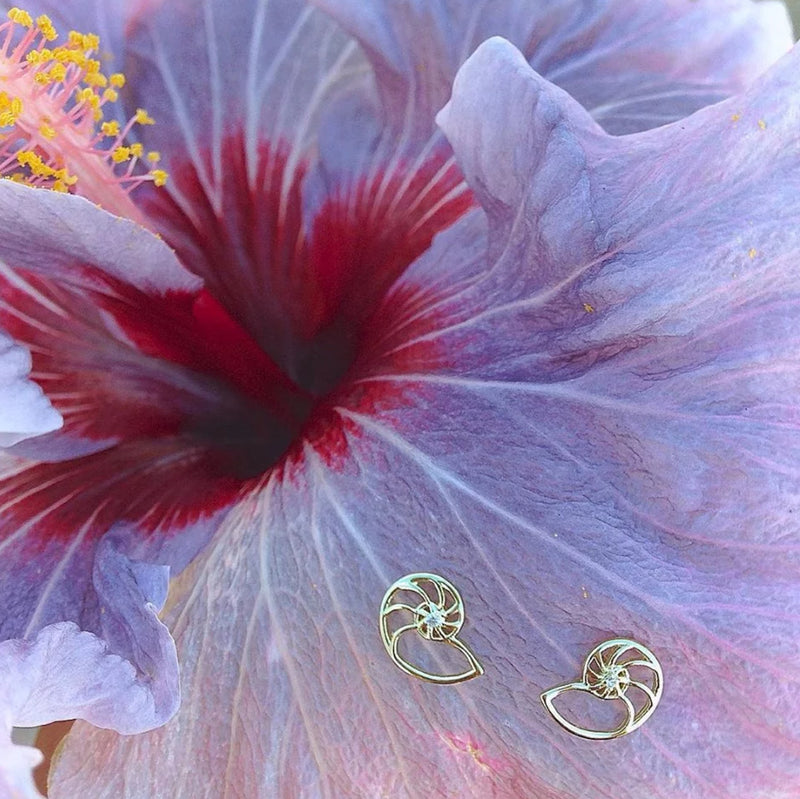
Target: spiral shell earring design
436 612
610 671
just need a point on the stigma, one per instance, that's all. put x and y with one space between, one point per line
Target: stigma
54 130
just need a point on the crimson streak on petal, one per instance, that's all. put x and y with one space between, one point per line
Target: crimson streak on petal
175 404
304 288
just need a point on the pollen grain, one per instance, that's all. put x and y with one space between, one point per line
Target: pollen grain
53 128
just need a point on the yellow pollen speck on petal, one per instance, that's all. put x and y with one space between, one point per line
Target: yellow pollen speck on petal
736 117
159 177
20 17
46 27
117 80
143 118
588 308
752 252
120 154
154 156
762 124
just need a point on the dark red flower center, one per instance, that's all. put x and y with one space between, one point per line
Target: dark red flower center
178 403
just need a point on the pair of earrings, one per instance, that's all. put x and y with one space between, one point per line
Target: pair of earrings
432 606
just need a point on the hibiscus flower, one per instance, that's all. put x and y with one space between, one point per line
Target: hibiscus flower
550 361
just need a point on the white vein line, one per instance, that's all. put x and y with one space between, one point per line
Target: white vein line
356 536
237 695
469 702
568 659
460 190
352 643
536 300
15 280
295 680
176 101
322 86
269 74
660 606
251 121
188 734
411 172
23 530
621 102
54 575
216 97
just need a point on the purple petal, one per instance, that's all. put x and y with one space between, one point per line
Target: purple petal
17 762
635 65
118 669
592 434
202 69
121 673
106 18
69 230
24 410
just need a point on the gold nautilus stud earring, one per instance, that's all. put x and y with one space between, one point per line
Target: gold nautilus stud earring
432 607
617 669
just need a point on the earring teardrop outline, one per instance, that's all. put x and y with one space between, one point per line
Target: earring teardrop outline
443 632
634 719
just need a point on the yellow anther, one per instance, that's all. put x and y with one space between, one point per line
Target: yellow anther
120 154
91 65
67 56
154 156
90 41
111 95
57 73
20 17
117 80
110 128
65 177
85 96
47 131
46 27
34 57
143 118
75 39
34 162
60 186
10 109
159 177
95 79
137 150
